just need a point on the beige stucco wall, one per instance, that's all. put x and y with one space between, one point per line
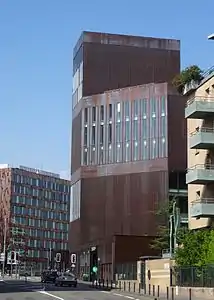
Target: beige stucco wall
160 273
200 157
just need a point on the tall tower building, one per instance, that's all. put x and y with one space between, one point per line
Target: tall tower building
127 126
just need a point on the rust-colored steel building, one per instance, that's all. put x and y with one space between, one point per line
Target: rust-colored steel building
39 203
127 127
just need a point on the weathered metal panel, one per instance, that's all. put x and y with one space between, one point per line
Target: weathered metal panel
76 143
108 67
120 205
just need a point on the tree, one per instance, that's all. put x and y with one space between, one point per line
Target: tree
196 248
191 73
161 241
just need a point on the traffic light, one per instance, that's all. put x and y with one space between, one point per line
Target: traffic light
94 269
58 257
73 258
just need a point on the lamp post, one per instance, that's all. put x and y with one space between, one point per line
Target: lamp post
211 36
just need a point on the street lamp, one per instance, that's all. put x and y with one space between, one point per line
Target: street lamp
211 36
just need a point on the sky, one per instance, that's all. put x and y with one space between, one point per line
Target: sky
36 43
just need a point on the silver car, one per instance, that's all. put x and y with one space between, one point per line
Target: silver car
68 279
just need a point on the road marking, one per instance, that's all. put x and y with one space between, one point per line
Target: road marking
115 294
129 297
50 295
105 292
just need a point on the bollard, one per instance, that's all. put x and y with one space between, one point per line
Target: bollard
167 292
111 284
124 285
107 283
190 294
129 286
144 289
153 290
139 288
99 283
120 285
149 289
158 291
96 284
103 283
134 286
172 293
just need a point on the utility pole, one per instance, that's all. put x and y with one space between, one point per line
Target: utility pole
4 245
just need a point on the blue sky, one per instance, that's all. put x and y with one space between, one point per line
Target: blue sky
36 42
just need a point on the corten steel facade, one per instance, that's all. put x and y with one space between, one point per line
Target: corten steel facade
129 148
39 203
121 142
103 62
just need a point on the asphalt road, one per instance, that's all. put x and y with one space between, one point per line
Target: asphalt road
19 290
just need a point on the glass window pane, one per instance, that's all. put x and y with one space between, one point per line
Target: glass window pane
127 152
119 153
118 132
127 130
135 151
145 149
135 130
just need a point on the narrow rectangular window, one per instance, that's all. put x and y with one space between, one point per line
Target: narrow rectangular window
86 115
126 110
135 110
101 156
85 157
93 114
93 135
110 133
101 134
85 136
118 132
110 111
102 113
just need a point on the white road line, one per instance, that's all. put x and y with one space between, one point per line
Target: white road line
129 297
105 292
50 295
115 294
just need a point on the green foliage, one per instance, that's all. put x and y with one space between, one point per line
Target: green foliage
197 248
186 76
162 240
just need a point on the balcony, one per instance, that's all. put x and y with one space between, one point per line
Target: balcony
200 174
202 139
200 108
184 218
202 208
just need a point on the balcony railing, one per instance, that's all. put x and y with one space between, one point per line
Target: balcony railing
199 107
203 208
202 138
200 174
184 218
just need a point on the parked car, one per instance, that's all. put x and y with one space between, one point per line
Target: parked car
49 276
66 278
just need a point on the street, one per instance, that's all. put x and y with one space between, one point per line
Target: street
19 290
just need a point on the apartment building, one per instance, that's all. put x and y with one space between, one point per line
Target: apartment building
38 203
200 128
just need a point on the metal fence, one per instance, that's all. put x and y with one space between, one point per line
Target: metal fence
193 276
126 271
